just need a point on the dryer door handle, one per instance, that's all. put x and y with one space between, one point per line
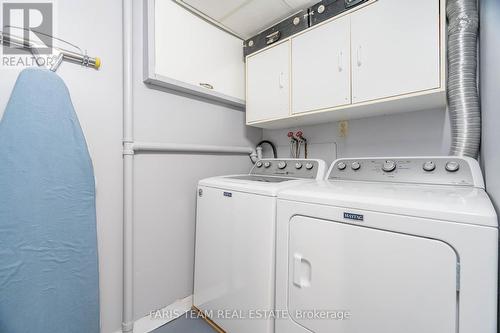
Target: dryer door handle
301 271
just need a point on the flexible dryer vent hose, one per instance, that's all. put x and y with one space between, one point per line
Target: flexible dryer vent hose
463 95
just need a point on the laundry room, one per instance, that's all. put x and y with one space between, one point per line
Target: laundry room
237 166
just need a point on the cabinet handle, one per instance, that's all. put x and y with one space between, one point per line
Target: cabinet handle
207 85
282 80
341 67
359 56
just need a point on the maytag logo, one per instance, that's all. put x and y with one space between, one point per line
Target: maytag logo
354 217
228 194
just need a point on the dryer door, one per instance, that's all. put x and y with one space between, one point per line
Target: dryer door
380 281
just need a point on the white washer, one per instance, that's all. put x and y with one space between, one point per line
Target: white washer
390 245
235 242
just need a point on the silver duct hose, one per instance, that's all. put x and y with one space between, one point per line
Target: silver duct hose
463 96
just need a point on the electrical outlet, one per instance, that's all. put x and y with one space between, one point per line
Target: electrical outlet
343 128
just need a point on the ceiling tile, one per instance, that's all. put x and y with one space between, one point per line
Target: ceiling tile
216 9
256 16
248 17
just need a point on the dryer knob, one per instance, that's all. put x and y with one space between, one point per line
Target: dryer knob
429 166
389 166
298 165
355 166
309 166
258 164
341 166
452 166
282 165
267 164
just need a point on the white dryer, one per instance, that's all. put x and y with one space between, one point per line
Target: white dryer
388 246
235 242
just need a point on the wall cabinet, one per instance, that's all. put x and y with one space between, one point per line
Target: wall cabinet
268 84
188 54
383 57
395 49
321 69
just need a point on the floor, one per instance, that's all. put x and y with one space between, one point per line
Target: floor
185 324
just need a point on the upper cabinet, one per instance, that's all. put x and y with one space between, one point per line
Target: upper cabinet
382 57
321 69
395 49
188 54
268 84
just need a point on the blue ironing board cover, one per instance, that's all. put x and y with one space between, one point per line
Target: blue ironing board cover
49 280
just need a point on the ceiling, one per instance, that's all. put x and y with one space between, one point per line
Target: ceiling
246 18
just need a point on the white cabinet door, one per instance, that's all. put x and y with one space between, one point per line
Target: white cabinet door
395 48
268 83
321 69
192 51
388 282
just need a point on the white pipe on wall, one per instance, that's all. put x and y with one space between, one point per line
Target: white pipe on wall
128 170
191 148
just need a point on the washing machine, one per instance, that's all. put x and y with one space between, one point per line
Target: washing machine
388 245
235 242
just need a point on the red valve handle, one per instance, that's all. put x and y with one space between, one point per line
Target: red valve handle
290 134
299 134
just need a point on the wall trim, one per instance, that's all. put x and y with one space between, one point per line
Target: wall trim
149 323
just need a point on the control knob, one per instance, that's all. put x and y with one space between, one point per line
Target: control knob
309 166
341 166
429 166
452 166
298 165
355 166
259 164
282 165
267 164
389 166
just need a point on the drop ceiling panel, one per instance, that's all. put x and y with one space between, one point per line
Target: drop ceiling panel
249 17
216 9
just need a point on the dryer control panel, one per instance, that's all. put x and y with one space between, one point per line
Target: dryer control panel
293 168
442 170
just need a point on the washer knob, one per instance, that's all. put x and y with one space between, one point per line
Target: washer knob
296 20
452 166
309 166
429 166
389 166
298 165
282 165
341 166
321 9
355 166
259 164
267 164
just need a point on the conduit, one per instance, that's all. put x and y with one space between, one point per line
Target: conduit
128 170
463 95
191 148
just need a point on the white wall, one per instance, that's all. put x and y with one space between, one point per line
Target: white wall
96 26
415 133
165 197
490 87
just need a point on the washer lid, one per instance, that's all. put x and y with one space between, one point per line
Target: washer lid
463 204
253 183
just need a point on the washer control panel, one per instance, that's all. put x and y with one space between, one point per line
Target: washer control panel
295 168
444 170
